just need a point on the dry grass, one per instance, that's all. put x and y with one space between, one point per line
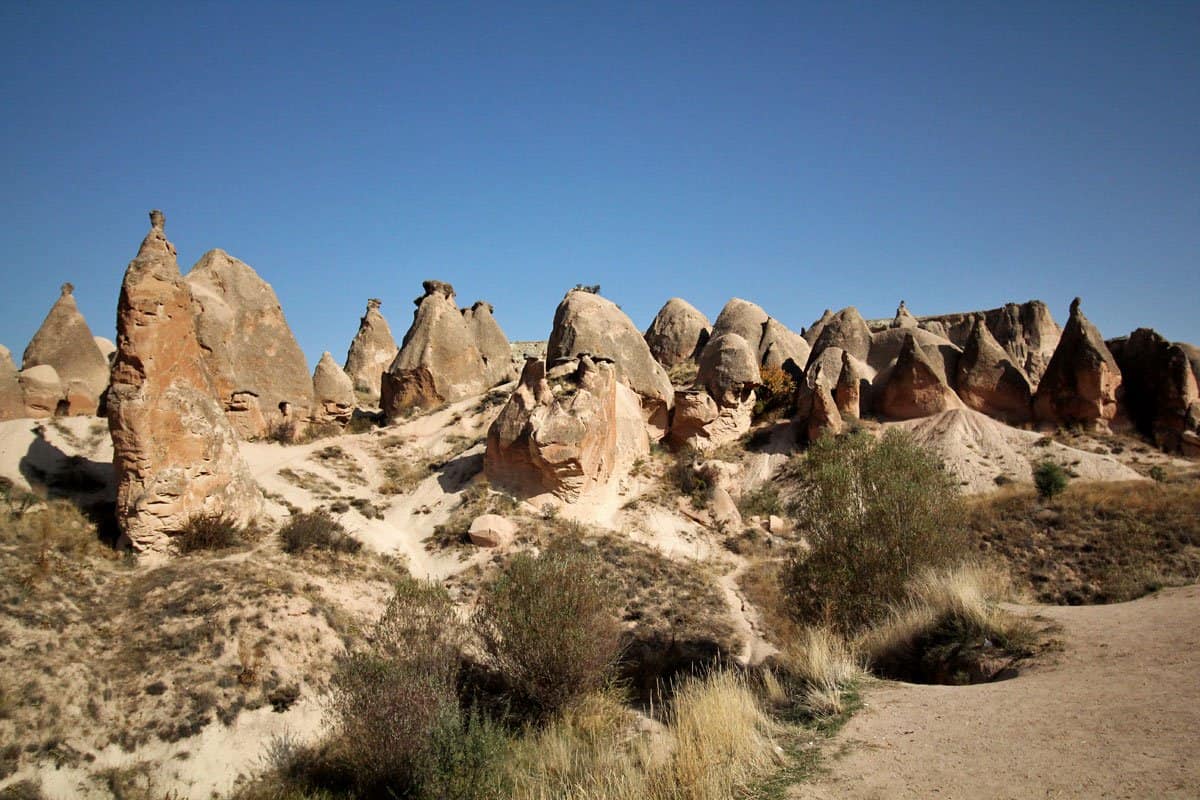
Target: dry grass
827 670
401 475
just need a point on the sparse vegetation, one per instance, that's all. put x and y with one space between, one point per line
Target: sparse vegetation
316 530
1050 479
402 475
776 396
208 532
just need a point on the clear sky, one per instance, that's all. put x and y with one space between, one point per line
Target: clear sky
799 155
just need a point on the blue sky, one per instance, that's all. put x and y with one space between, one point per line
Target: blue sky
800 155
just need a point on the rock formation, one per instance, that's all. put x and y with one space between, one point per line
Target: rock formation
371 353
175 453
886 346
823 417
447 354
988 381
249 351
492 530
333 392
1080 384
42 391
936 328
915 386
12 401
719 408
1160 391
845 329
565 432
107 349
847 393
586 323
678 333
903 318
1026 331
813 332
780 345
65 342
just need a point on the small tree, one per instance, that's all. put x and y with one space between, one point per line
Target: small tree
1050 479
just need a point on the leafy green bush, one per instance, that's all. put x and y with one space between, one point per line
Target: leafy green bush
1050 479
316 530
208 532
1158 474
548 625
876 512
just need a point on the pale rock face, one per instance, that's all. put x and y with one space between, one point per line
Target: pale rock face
371 352
247 345
915 386
1026 331
447 354
332 391
107 349
748 320
43 392
678 333
903 318
728 369
566 435
825 418
1160 391
720 407
887 344
936 328
12 401
813 332
586 323
845 329
492 530
1081 381
174 451
65 342
779 345
989 382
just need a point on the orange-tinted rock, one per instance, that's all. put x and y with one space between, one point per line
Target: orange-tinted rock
12 402
989 382
1081 381
42 392
1026 331
915 387
847 393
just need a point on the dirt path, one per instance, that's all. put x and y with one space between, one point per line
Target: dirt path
1115 715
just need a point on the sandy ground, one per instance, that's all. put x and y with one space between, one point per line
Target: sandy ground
1115 715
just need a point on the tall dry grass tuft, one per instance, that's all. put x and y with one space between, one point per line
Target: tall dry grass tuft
827 669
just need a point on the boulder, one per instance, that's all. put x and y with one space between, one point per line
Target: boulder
847 330
1080 384
175 453
1159 389
246 343
780 346
42 391
12 399
565 434
492 530
728 369
371 352
678 333
915 386
989 382
903 318
333 392
586 323
65 343
720 406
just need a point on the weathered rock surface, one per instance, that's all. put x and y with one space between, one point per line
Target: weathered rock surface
780 345
492 530
566 434
845 329
728 369
936 328
678 333
248 348
720 407
824 416
903 318
813 332
915 386
107 349
447 354
586 323
333 391
744 318
847 393
12 401
65 342
42 391
886 346
1081 381
988 381
175 453
371 353
1026 331
1160 391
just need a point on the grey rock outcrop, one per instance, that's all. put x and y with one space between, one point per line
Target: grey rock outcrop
813 332
249 351
846 330
174 451
12 402
447 354
903 318
989 382
1081 382
678 333
780 345
1026 331
333 392
65 342
371 353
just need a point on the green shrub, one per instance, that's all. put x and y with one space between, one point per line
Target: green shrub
1050 479
1158 474
876 512
208 532
316 530
763 501
548 625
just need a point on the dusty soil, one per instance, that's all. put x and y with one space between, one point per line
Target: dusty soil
1115 714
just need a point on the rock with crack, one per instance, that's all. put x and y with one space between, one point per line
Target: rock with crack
65 343
719 407
175 452
371 352
678 333
1081 382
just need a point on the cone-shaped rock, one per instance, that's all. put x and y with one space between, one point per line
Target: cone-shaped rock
66 343
586 323
744 318
678 333
1160 391
824 418
936 328
42 391
107 348
847 394
1081 381
447 354
175 453
332 391
371 352
779 345
915 387
728 369
887 344
249 350
565 434
903 318
847 330
12 402
989 382
1026 331
813 332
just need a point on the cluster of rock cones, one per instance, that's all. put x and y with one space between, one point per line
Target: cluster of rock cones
206 360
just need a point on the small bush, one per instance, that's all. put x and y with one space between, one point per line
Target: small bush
876 513
316 530
763 501
548 625
776 394
1158 474
1050 479
208 532
826 669
401 476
